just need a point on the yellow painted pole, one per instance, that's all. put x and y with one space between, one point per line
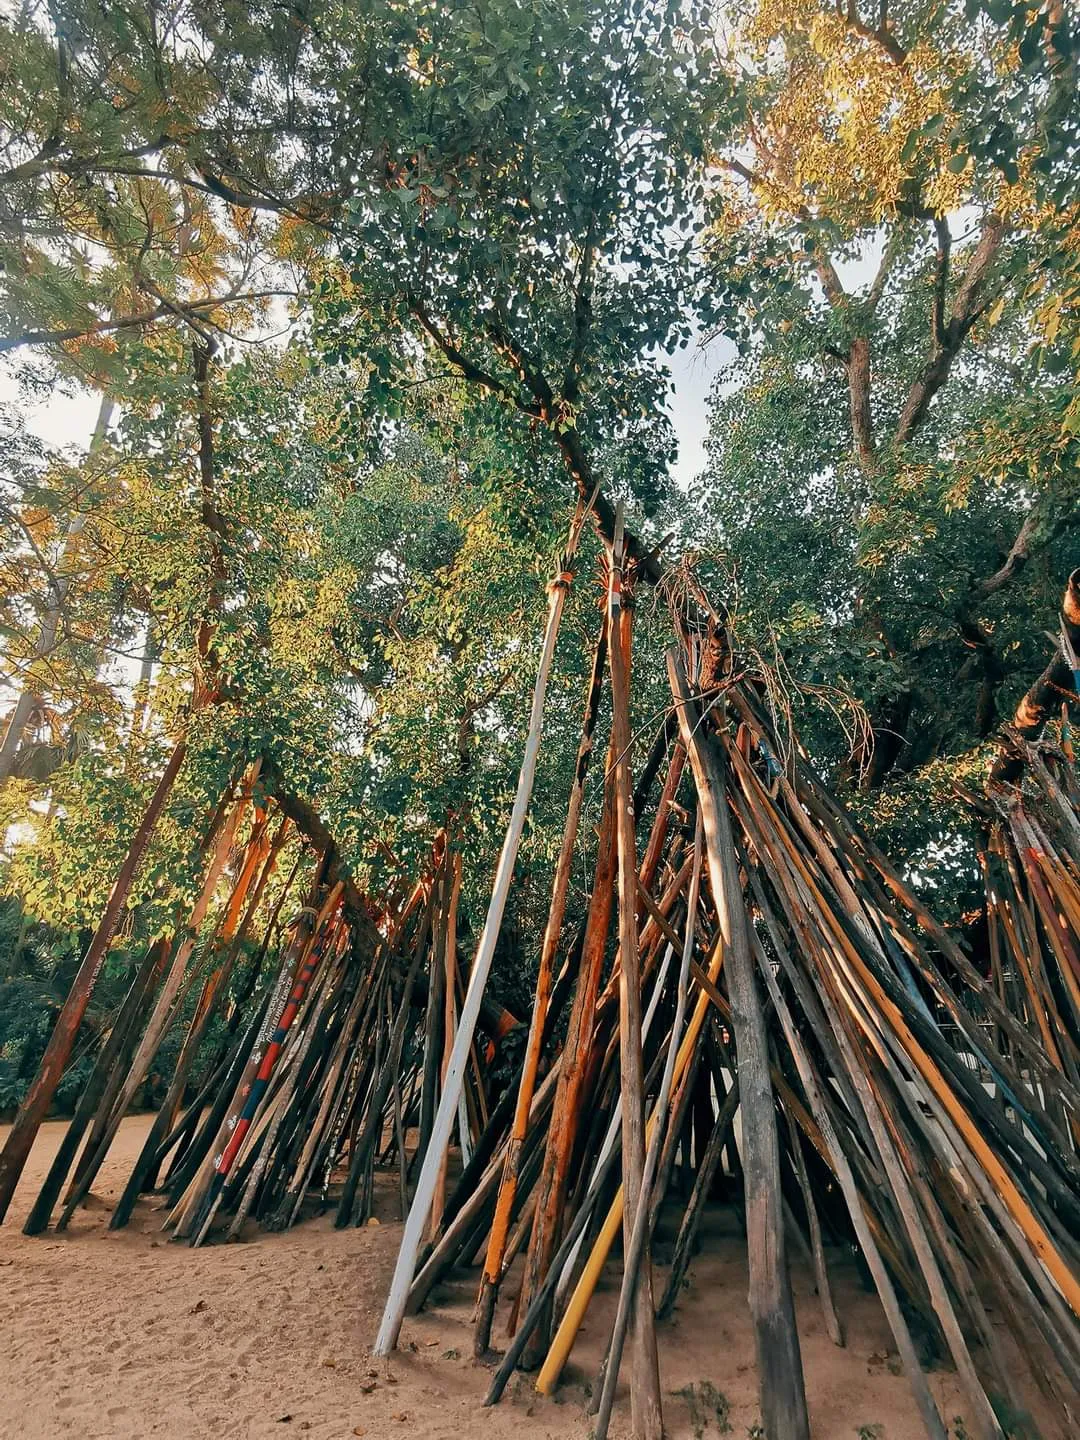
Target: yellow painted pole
566 1334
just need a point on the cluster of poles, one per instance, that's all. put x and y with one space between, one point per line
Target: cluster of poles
307 1065
751 991
753 957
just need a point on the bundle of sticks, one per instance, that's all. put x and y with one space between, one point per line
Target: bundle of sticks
770 963
753 995
301 1066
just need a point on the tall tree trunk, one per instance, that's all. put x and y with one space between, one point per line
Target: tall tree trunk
30 697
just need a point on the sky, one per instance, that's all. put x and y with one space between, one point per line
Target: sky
693 371
60 419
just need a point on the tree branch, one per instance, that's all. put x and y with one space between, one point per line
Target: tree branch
179 308
862 425
526 365
1022 550
967 306
941 279
468 368
880 34
212 522
877 287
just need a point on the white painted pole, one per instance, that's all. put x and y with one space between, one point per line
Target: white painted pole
415 1226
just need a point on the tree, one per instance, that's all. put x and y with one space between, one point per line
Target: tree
891 246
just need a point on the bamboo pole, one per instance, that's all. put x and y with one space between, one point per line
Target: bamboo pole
163 1007
433 1018
109 1058
869 1012
840 1167
572 1317
386 1339
452 887
383 1080
817 1250
645 1404
253 1094
186 1212
39 1097
493 1262
641 1228
262 855
573 1075
706 1172
783 1398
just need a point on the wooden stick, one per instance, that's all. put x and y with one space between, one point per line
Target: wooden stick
38 1098
817 1251
405 1268
783 1397
840 1167
572 1079
493 1262
110 1058
645 1405
163 1010
641 1229
563 1342
706 1173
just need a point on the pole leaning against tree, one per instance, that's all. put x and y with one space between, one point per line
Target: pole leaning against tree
415 1226
645 1404
493 1263
783 1395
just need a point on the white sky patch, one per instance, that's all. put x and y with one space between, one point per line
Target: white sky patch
61 419
693 372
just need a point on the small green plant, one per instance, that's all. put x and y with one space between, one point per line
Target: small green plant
706 1405
871 1432
756 1432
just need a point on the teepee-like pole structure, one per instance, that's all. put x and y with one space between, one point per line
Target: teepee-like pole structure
865 1043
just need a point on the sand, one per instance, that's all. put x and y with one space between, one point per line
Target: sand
128 1335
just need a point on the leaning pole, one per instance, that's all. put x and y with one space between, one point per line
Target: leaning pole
415 1226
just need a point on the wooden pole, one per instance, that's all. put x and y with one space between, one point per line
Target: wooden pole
573 1072
706 1173
500 1225
58 1051
162 1011
783 1397
570 1323
641 1229
109 1059
842 1170
452 892
252 1095
817 1250
394 1313
645 1404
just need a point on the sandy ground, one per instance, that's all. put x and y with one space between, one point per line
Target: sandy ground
127 1335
